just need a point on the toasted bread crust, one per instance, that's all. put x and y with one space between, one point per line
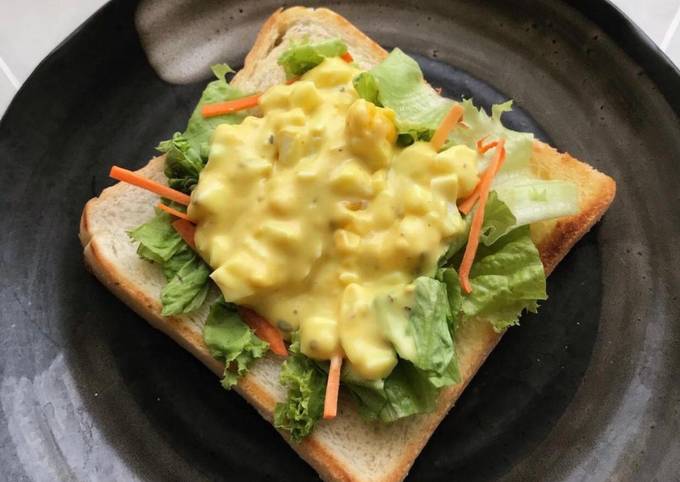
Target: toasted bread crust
597 193
476 340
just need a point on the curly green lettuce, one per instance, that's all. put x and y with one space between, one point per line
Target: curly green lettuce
306 385
232 342
186 273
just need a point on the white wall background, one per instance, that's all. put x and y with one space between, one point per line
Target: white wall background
30 29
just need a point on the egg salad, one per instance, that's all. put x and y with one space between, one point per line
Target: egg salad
310 214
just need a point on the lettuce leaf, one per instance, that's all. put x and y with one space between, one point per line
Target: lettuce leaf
498 220
422 333
221 70
430 316
182 162
367 87
518 145
172 266
449 277
523 197
186 274
534 200
231 341
188 286
306 384
158 240
187 153
406 391
303 56
199 129
513 205
401 87
506 277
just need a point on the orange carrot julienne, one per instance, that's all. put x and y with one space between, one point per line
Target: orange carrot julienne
478 218
330 404
187 230
220 108
449 122
135 179
347 57
264 330
174 212
466 205
482 148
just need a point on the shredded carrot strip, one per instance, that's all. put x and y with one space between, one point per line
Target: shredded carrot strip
187 230
264 330
135 179
330 404
482 148
478 218
174 212
347 57
221 108
450 120
467 204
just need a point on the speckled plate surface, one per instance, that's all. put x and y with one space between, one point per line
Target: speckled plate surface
586 390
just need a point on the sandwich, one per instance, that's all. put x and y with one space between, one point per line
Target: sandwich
338 242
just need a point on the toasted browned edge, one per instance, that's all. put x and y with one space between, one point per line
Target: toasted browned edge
553 248
547 162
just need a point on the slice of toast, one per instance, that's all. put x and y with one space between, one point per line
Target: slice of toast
347 448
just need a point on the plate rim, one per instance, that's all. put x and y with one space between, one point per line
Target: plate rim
611 19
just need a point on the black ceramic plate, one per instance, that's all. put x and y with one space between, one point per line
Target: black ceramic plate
586 390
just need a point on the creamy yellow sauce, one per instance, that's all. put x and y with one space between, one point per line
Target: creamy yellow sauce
310 212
